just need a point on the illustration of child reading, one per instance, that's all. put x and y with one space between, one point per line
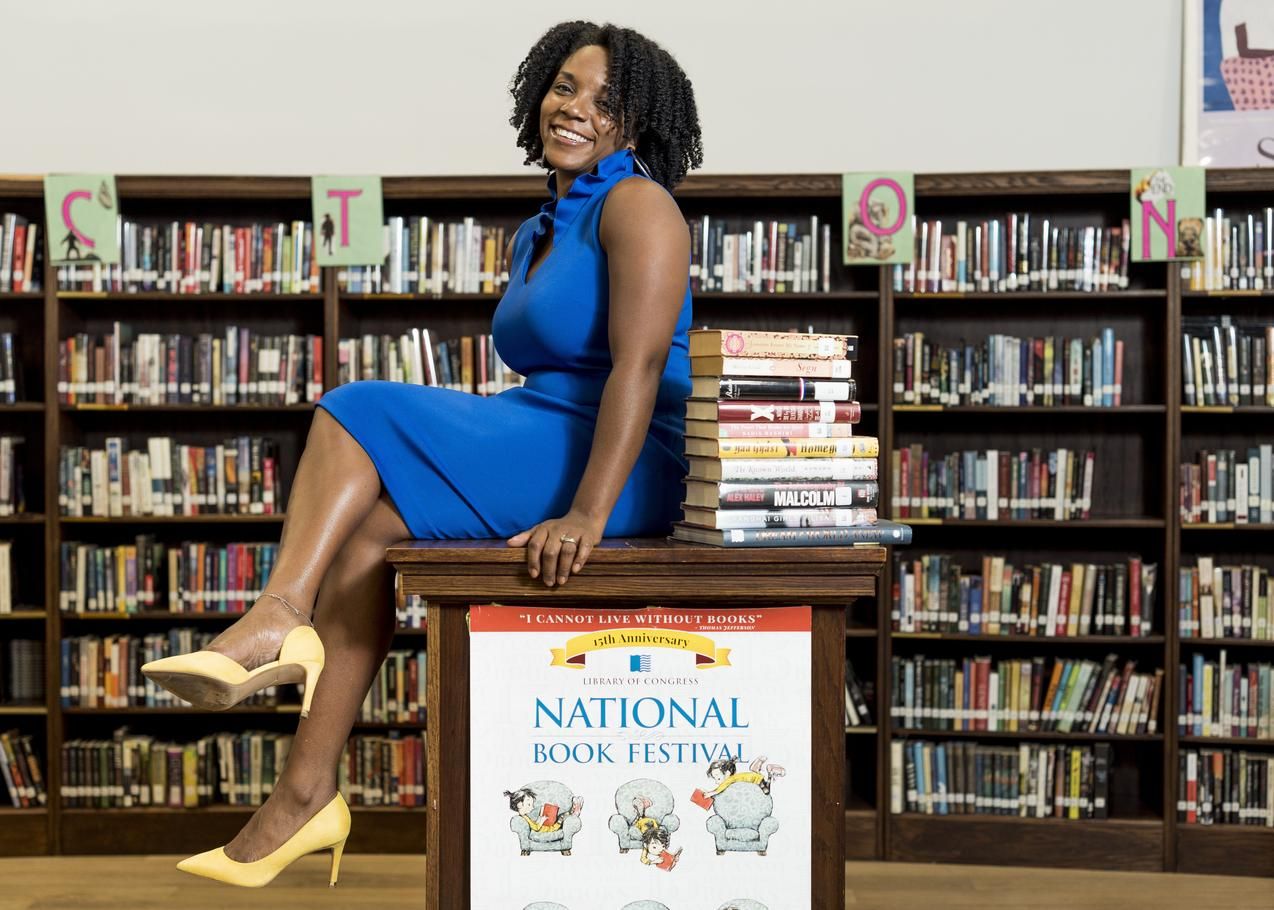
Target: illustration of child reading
644 905
725 773
538 821
742 903
654 849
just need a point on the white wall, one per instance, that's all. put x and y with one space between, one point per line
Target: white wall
420 87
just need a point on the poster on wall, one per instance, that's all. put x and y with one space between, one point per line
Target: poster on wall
81 212
1227 84
877 212
349 221
656 759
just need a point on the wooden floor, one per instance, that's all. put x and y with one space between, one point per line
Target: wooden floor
391 882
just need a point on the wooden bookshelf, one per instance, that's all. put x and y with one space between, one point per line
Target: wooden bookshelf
1149 437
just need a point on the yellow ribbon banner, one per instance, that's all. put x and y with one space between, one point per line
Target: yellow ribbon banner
707 655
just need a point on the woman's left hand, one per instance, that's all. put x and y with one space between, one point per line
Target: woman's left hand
549 556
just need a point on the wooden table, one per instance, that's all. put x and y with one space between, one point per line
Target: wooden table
451 575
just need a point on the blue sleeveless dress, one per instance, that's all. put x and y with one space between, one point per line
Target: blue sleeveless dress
458 465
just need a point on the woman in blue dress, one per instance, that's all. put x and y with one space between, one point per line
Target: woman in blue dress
595 317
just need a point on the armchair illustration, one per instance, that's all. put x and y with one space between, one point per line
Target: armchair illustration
739 903
644 905
741 819
543 905
660 809
559 841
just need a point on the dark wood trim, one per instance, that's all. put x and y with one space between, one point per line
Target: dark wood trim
827 756
447 756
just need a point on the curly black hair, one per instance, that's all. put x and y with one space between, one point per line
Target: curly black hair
653 100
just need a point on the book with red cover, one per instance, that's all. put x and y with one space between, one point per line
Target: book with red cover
550 813
701 799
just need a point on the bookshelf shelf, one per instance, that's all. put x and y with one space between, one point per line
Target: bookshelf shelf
448 297
23 709
23 407
1227 526
24 614
148 614
758 296
15 296
1226 642
210 519
859 632
1120 640
1061 410
1221 741
861 731
860 833
139 710
1117 844
22 518
306 408
160 297
1020 523
1232 849
1213 410
1029 735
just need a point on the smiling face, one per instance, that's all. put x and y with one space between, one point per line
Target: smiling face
526 804
575 124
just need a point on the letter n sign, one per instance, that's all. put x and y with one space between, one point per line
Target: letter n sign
349 222
878 212
1166 211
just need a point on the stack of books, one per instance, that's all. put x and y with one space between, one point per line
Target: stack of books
769 438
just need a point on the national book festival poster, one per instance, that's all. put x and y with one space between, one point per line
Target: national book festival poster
656 759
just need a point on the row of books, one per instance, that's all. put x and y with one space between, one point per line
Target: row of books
992 484
21 255
103 671
22 671
189 257
410 608
397 694
239 769
469 363
1224 699
730 255
1070 696
20 768
1029 780
1225 787
239 475
427 256
12 383
934 593
1237 251
237 366
1018 252
1224 601
1229 485
12 485
1225 364
147 574
859 697
1007 371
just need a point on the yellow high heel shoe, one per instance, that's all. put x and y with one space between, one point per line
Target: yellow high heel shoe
214 682
328 829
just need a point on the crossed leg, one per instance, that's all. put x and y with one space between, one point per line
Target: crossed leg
331 565
355 619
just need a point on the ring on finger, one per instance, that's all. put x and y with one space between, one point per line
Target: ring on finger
566 538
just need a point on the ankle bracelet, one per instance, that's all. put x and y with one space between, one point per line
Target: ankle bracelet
285 603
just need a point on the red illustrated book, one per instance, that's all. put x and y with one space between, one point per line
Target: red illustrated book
549 812
699 798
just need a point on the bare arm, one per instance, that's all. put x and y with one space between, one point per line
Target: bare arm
1245 50
648 250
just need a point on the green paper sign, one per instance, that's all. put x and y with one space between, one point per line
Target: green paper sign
1167 206
349 220
81 212
877 209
